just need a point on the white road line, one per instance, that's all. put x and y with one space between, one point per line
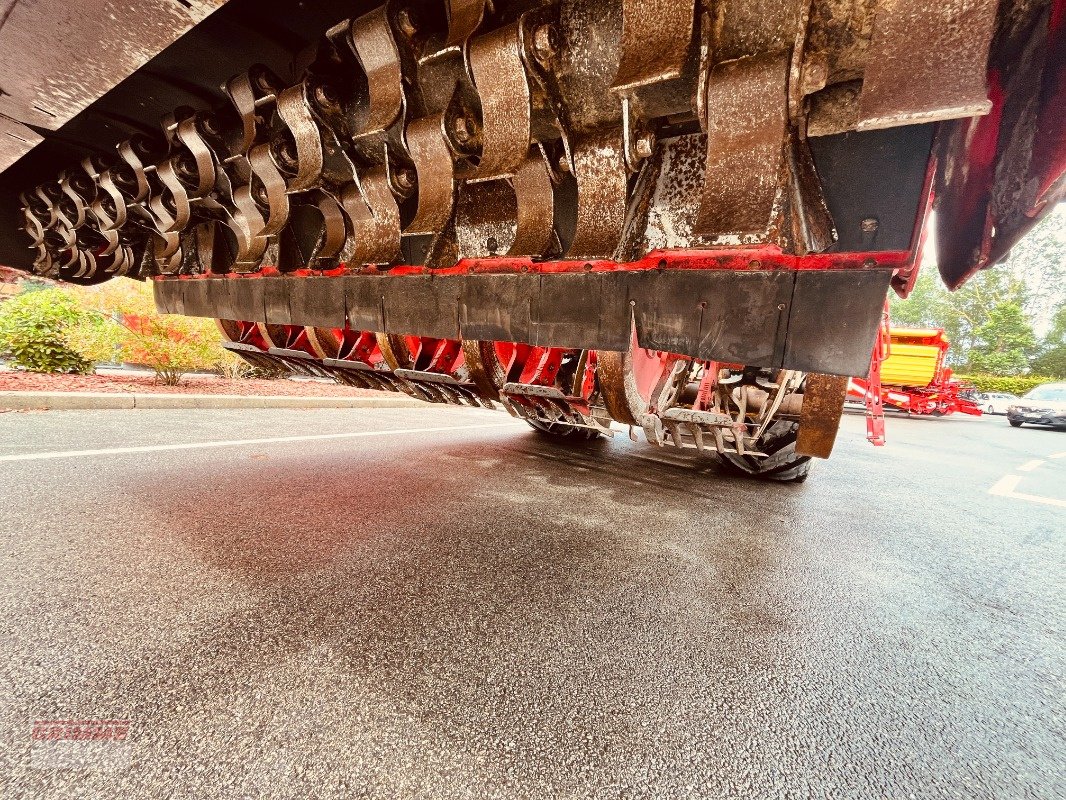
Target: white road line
1029 466
153 448
1035 498
1006 485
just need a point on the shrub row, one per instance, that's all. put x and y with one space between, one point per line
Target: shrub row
35 329
72 330
1018 384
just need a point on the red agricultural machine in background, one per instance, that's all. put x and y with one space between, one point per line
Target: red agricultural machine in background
908 373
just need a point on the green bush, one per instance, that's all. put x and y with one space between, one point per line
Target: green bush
1015 384
74 328
169 345
36 329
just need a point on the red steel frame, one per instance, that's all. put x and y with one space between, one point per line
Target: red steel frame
767 257
940 398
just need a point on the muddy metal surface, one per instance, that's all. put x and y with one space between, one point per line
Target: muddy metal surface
476 613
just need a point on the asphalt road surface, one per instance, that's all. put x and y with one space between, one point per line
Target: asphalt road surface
439 603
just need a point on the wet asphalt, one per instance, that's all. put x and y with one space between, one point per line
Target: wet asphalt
474 611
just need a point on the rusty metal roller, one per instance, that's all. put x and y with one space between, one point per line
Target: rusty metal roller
246 223
109 205
514 217
73 200
536 206
374 217
464 17
127 151
656 36
189 135
170 220
277 199
166 252
600 170
747 122
334 229
436 174
485 219
240 93
500 77
296 114
944 78
375 48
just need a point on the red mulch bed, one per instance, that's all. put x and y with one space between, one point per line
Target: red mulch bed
190 384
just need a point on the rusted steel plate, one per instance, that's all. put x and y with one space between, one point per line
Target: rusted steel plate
424 305
927 62
823 405
747 117
54 58
15 141
656 36
726 316
498 307
675 202
834 320
572 308
816 321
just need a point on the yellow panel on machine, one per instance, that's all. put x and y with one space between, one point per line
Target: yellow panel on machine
916 357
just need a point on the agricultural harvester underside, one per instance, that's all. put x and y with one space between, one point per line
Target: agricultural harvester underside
680 216
748 416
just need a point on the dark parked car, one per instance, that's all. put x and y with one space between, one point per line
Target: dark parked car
1044 405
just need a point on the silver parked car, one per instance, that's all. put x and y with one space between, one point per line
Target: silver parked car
1044 405
996 402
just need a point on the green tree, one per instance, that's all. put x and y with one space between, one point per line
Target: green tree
989 320
968 315
1052 358
1004 343
1040 259
924 307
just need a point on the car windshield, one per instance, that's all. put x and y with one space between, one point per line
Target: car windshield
1056 393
